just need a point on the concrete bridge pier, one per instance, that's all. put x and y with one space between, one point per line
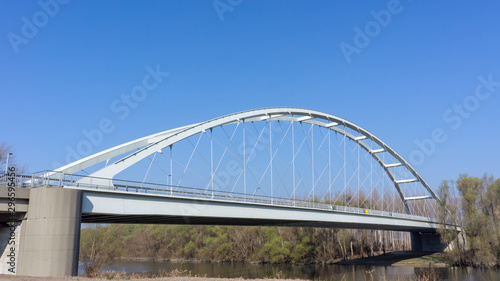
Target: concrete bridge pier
426 242
50 233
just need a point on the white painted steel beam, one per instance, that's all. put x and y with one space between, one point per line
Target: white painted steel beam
305 118
331 124
418 197
270 117
406 181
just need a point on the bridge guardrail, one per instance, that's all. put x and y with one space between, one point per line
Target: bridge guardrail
19 180
52 178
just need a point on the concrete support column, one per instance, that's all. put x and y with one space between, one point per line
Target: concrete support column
50 234
416 242
426 242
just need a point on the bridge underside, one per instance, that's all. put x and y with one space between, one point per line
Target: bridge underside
147 219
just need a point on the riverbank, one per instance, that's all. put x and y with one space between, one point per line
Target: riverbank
396 258
402 258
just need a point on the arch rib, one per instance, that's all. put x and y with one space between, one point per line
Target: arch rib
154 143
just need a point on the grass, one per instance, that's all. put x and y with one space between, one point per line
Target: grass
436 259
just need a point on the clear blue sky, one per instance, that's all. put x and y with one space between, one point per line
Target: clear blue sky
62 70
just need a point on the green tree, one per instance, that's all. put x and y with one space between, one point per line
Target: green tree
476 221
275 249
217 244
304 250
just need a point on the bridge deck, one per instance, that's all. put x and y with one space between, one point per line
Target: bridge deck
111 206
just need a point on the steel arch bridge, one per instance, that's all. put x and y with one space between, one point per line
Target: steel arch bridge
275 166
281 153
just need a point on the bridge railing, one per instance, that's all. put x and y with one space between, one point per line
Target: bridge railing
52 178
17 180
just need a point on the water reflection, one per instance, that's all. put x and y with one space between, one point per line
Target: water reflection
311 272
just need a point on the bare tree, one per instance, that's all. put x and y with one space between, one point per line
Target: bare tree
98 246
7 151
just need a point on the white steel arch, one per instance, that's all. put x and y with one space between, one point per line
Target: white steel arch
146 146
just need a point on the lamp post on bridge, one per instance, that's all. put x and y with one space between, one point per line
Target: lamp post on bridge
7 163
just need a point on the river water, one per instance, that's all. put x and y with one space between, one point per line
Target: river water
311 272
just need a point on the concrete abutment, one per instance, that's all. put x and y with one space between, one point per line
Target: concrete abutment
50 233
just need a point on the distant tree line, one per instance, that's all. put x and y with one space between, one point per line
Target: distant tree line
100 244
